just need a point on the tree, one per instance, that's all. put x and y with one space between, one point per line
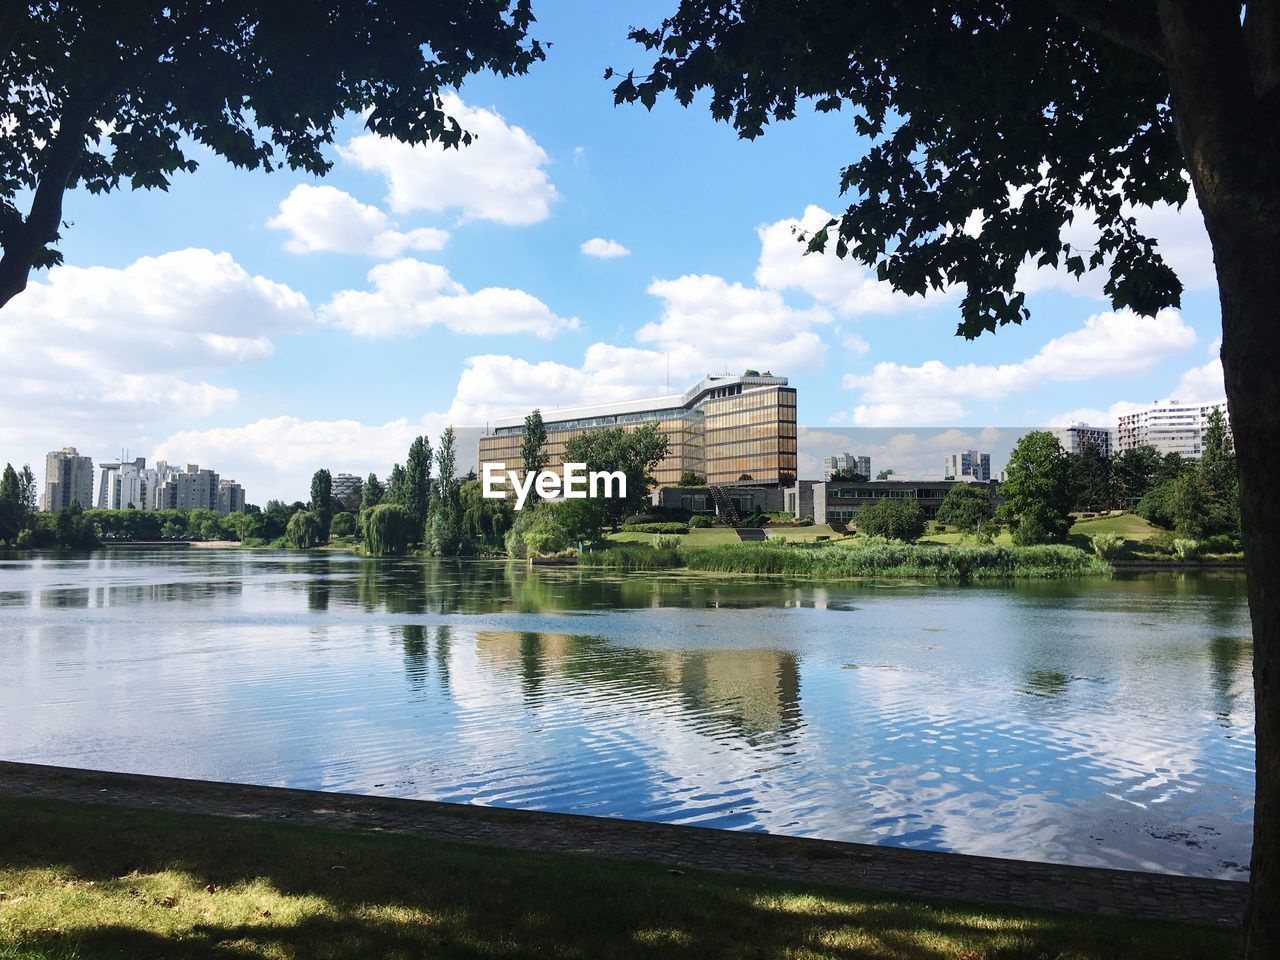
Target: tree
417 480
388 530
966 505
897 518
691 478
304 530
398 487
1133 473
444 534
533 446
322 500
1091 479
484 519
847 473
636 453
1037 490
12 514
342 525
884 474
1026 117
101 94
372 492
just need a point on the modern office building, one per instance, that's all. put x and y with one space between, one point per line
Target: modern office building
1168 425
1080 435
968 465
838 501
846 461
68 479
123 484
345 486
729 429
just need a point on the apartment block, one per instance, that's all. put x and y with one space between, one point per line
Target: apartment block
1080 435
68 479
1168 425
968 465
230 497
846 461
123 484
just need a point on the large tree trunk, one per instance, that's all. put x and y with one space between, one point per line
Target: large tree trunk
1225 106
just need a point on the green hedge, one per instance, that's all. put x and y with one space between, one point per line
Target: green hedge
655 528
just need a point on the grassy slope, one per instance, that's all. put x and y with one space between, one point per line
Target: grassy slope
89 882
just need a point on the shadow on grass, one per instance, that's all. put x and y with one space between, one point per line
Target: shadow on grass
81 881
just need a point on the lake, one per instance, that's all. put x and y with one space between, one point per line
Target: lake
1105 723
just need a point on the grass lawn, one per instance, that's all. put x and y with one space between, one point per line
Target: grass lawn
80 881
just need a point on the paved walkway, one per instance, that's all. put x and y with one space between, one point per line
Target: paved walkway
890 870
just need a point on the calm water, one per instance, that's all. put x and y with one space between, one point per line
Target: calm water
1104 723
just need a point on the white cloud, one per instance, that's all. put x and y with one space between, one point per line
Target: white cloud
501 176
1112 344
845 285
857 344
97 356
325 219
603 249
409 295
1095 416
1204 382
729 326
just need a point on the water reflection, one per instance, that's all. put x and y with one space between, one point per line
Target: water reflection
1102 723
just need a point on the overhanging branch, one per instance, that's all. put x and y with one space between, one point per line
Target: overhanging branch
1130 25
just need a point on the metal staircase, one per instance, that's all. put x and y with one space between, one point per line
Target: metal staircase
724 507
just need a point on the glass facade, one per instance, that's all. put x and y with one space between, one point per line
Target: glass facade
729 429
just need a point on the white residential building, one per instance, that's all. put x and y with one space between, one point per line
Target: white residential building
122 484
1080 435
1170 426
846 461
68 479
967 465
344 486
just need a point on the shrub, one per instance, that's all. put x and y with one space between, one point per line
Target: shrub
1107 545
638 518
1186 549
666 542
987 532
700 520
1220 543
896 519
659 527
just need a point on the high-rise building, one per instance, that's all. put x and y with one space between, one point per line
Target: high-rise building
230 497
189 489
122 484
1168 425
68 479
730 429
1080 435
967 465
345 486
846 461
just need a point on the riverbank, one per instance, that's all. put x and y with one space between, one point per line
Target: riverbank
283 872
917 561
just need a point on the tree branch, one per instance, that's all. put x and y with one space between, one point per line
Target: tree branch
1133 27
40 227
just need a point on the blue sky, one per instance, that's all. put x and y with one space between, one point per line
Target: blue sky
234 320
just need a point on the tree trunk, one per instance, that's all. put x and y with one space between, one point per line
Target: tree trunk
1229 129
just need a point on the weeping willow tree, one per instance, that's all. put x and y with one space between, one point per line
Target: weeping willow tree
388 530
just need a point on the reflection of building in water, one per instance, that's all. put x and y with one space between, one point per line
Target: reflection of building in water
756 693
